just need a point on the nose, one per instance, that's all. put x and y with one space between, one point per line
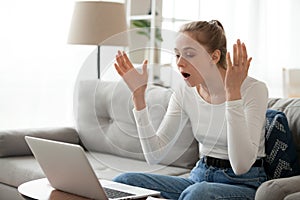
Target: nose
180 61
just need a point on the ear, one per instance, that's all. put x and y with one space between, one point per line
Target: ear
215 56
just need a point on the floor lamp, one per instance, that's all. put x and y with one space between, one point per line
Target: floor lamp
93 22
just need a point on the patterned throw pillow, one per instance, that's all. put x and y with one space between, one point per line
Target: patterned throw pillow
281 156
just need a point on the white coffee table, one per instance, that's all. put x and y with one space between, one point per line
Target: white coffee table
41 189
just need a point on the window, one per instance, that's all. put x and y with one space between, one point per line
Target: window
37 66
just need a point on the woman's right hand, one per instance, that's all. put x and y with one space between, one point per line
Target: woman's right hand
137 82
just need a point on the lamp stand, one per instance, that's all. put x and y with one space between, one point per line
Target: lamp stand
98 61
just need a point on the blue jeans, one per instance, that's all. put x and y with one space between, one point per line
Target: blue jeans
205 182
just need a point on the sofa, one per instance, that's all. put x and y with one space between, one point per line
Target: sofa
105 127
287 188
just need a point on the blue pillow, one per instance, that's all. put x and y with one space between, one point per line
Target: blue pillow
281 156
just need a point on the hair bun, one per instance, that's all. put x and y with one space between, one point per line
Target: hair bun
216 23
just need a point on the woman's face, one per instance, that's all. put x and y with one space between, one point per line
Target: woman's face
193 61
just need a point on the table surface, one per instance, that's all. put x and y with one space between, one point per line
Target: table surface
41 189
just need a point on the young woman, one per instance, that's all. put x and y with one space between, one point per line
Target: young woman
226 108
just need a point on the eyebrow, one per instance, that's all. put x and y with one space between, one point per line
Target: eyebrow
186 48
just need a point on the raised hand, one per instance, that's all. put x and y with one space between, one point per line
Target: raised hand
137 82
237 71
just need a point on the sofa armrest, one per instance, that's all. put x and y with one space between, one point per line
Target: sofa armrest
12 142
278 189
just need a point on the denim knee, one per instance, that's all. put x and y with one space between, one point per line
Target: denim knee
126 178
205 190
198 191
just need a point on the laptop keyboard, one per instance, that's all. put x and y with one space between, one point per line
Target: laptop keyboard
111 193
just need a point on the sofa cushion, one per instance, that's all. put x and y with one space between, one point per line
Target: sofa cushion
106 124
19 169
8 192
278 189
293 196
281 156
291 108
12 142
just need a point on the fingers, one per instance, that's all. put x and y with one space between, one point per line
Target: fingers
228 60
235 55
145 63
248 62
123 61
135 81
119 64
240 56
123 64
120 72
119 59
244 55
245 61
126 61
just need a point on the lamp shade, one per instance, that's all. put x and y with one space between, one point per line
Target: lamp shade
93 22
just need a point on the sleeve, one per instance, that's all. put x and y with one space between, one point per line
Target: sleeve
157 143
245 125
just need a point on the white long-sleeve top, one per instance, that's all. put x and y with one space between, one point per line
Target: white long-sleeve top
233 130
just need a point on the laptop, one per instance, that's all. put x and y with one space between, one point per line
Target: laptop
68 169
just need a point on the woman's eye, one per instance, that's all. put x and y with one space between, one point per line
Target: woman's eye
177 56
189 54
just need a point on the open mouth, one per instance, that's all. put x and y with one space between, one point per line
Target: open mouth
185 75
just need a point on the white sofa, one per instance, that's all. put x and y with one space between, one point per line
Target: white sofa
107 130
105 127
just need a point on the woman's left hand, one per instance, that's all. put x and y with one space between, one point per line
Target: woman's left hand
237 71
